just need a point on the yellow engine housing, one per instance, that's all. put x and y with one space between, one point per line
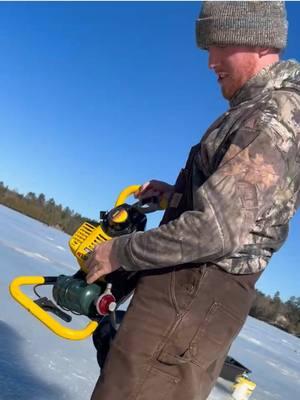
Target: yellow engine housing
88 236
84 240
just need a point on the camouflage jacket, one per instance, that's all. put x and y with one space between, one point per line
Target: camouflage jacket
242 184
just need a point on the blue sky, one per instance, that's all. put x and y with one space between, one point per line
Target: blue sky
96 96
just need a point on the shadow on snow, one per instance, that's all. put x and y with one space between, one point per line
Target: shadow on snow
17 381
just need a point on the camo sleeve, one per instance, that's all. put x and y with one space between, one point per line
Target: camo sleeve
226 206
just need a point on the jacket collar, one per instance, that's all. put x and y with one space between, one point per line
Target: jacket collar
274 76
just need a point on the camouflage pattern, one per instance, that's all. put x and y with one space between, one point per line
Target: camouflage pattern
240 186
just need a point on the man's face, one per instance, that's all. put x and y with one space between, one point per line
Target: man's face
234 66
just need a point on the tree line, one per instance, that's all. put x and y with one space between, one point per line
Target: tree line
285 315
41 209
271 309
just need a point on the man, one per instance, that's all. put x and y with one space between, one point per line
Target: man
228 213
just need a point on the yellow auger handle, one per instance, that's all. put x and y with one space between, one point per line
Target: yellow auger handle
131 190
43 316
128 191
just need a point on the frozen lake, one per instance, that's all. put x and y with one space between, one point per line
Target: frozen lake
35 364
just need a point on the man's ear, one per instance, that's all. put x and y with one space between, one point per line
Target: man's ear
263 51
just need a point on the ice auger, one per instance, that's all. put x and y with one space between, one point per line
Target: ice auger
72 293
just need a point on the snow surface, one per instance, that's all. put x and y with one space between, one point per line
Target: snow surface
35 364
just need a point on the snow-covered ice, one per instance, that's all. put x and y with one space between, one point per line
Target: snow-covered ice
35 364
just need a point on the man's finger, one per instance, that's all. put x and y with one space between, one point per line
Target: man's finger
142 189
91 258
91 278
94 276
88 262
91 263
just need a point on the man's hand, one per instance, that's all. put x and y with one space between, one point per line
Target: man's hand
151 188
101 261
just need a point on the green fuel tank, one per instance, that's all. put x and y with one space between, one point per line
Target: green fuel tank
76 295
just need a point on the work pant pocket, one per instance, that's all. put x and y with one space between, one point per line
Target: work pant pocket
214 336
185 284
204 343
158 385
212 319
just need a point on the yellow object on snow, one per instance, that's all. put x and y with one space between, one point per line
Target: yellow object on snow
243 388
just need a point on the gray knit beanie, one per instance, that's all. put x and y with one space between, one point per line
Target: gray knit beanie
242 23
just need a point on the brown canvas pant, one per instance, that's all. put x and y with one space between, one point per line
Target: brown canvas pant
175 335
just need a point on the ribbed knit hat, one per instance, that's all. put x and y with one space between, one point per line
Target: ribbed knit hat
242 23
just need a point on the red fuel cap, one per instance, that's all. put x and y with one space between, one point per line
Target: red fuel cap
105 304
